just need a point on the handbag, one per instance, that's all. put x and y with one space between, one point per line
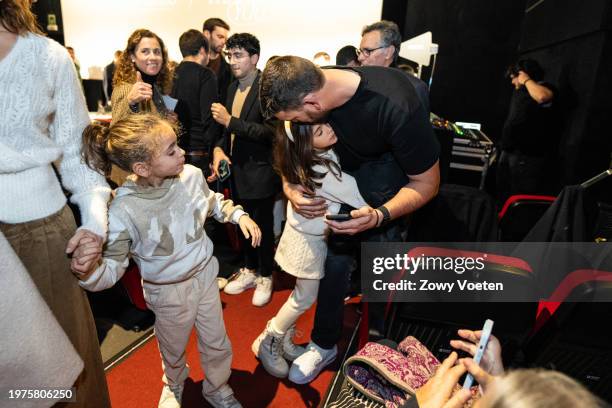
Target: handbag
379 376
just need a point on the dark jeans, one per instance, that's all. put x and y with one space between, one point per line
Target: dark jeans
262 257
518 173
342 259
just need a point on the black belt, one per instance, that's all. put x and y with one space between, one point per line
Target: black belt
198 153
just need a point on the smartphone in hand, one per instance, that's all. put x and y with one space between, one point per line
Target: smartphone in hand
224 170
339 217
482 345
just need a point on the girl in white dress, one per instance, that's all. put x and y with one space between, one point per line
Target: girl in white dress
304 156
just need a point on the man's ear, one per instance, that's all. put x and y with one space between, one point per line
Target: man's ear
312 100
254 59
141 169
390 52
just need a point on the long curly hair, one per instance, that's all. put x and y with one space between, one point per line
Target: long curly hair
17 17
126 70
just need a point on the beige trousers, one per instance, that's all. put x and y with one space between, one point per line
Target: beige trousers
180 306
41 247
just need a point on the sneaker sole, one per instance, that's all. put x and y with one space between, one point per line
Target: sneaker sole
232 292
324 364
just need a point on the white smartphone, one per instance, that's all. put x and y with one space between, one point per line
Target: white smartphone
482 345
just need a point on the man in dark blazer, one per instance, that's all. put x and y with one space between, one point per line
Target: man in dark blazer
247 145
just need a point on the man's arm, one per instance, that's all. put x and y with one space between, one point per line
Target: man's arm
420 189
540 93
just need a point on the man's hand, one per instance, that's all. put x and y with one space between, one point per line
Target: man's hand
522 77
250 230
86 250
362 219
304 204
491 359
141 91
437 391
218 155
220 114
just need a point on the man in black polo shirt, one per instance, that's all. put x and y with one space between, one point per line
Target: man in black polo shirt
384 140
195 87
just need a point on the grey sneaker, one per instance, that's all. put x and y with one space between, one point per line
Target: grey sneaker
171 397
291 351
217 401
245 279
268 348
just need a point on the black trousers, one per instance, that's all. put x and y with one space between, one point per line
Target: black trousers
342 259
518 173
262 257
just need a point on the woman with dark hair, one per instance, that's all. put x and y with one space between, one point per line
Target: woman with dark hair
42 116
142 77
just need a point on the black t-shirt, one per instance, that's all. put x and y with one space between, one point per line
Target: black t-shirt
385 115
195 87
530 128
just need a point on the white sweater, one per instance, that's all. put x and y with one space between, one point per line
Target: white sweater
42 117
162 229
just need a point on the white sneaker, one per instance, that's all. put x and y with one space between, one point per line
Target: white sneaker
171 397
263 291
245 279
221 282
291 351
307 367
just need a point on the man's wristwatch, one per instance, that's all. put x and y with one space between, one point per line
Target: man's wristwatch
386 215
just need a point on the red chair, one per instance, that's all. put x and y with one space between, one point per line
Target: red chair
435 323
519 214
572 331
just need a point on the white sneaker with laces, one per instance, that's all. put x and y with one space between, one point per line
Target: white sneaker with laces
245 279
307 367
263 291
171 397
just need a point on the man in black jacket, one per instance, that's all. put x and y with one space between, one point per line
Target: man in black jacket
216 31
247 145
195 87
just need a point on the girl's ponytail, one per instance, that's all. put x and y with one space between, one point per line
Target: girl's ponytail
94 150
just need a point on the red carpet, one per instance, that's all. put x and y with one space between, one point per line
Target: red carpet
136 382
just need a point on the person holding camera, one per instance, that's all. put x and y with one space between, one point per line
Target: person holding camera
246 145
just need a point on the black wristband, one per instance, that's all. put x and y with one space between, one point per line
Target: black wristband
386 215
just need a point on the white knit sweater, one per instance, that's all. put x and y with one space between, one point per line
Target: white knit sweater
42 117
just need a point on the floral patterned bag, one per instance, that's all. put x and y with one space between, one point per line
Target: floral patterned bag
389 377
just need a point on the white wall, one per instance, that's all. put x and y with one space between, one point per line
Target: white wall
97 28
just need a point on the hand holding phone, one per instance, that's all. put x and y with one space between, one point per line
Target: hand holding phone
482 345
339 217
224 170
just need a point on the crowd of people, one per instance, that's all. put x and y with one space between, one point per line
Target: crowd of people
333 139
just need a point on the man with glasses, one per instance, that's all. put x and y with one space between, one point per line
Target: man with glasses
380 46
247 145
